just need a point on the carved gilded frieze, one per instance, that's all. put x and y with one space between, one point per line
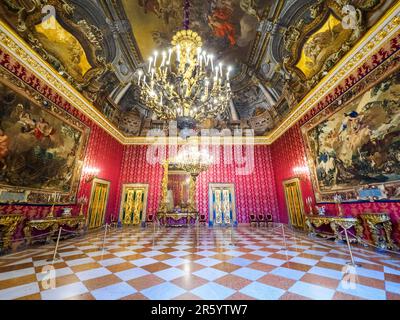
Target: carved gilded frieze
72 48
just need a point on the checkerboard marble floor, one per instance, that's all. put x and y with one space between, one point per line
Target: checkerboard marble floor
199 263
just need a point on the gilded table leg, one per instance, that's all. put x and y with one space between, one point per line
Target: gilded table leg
28 235
387 226
374 233
53 231
335 229
6 240
359 232
310 227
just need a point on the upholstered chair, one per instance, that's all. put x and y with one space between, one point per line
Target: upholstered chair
202 218
149 218
253 219
268 219
261 219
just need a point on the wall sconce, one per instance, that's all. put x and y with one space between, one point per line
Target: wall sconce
301 170
90 173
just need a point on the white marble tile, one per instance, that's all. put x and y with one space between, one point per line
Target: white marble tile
19 291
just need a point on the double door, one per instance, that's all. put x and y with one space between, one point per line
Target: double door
294 202
222 205
133 204
98 203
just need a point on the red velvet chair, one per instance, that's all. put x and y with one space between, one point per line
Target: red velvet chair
149 218
253 219
114 221
202 218
268 218
261 219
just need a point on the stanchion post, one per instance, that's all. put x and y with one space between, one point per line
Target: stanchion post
104 240
56 248
284 241
350 251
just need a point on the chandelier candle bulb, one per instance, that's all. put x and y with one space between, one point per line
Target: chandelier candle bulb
169 56
155 58
178 53
164 56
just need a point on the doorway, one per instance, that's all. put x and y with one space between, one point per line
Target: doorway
98 203
222 204
294 202
133 204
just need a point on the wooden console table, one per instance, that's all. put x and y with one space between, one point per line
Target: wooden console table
53 224
8 225
336 223
380 228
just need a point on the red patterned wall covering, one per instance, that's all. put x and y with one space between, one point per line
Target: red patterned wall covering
255 192
103 151
135 169
288 151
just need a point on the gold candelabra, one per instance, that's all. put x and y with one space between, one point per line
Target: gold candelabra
338 200
53 198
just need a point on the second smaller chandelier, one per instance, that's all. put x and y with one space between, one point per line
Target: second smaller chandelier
184 81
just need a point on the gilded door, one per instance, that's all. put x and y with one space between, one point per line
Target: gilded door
133 204
222 204
294 202
98 203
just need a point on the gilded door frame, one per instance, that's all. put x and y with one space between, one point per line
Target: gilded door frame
297 181
102 181
134 185
230 186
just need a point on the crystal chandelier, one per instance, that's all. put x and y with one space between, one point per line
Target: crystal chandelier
184 82
193 161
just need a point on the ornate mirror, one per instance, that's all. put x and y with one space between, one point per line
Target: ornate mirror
178 190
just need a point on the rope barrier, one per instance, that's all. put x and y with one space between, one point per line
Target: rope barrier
26 238
372 245
361 240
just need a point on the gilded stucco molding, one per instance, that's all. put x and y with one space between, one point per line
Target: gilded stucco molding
372 41
364 49
13 44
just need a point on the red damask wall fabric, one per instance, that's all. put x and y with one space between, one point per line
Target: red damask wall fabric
288 153
255 192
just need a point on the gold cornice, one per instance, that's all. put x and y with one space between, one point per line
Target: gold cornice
257 140
20 51
367 46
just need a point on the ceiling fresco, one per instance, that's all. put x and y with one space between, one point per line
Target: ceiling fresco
279 50
228 27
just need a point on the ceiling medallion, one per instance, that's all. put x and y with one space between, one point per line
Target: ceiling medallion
184 83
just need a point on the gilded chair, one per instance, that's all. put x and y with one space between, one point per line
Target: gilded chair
253 219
